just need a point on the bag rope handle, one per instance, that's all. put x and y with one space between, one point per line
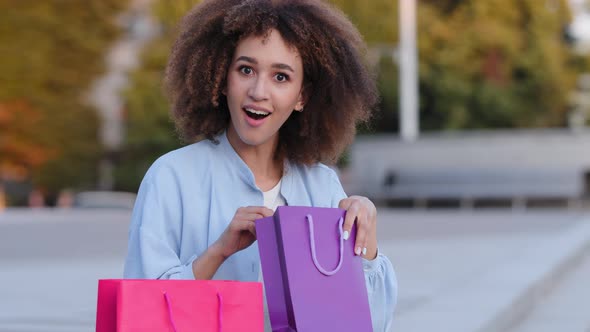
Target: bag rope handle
169 306
313 250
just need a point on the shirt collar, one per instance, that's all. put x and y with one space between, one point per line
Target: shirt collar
246 174
243 170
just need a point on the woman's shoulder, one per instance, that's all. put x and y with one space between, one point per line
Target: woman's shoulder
319 182
185 160
191 152
317 171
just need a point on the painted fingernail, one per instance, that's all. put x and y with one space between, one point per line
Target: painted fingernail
346 235
364 251
358 251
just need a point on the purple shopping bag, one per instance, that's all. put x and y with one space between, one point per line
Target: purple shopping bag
312 278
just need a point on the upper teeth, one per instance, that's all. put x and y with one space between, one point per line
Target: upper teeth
257 112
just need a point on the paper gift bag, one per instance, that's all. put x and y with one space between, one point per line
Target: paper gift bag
126 305
313 280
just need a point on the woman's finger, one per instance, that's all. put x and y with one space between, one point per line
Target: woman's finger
262 210
360 244
242 222
351 215
344 204
251 216
252 228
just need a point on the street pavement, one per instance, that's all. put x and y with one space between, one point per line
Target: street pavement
50 263
484 270
458 270
566 307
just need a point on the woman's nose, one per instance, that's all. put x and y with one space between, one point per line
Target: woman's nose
258 90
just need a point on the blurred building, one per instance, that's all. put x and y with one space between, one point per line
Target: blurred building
579 29
105 94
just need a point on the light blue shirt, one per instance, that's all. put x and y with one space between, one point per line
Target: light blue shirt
189 196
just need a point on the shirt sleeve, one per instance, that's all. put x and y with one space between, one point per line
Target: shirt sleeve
380 278
382 291
154 231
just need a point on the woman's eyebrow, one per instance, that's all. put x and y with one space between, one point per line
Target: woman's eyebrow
282 66
274 65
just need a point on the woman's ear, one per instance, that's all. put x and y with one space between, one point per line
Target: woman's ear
301 101
299 107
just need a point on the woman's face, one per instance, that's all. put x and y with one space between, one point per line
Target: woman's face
264 86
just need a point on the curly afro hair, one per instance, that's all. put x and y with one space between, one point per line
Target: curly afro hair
340 91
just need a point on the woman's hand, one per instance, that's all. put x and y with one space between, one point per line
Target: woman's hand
241 231
362 211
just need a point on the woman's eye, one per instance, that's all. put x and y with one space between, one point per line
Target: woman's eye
246 70
281 77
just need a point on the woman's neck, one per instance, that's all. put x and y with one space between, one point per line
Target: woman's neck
260 159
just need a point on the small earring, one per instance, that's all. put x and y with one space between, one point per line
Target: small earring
301 110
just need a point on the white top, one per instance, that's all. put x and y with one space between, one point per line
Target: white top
273 197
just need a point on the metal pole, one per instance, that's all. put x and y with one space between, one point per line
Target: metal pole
408 69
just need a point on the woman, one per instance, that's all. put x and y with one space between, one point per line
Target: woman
269 90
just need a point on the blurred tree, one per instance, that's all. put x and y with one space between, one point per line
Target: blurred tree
51 51
493 64
483 64
372 18
380 31
20 148
150 132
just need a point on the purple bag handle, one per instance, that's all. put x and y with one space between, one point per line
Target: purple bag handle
313 252
169 305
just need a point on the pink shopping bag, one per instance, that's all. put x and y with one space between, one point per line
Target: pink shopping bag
126 305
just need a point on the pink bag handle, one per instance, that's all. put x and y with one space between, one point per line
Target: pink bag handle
313 252
169 305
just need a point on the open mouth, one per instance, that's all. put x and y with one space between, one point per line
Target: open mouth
255 114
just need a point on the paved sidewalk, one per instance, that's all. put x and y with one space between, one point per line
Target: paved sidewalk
566 307
480 271
50 261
